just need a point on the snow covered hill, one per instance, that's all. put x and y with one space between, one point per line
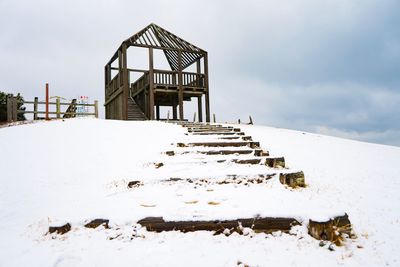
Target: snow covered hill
77 170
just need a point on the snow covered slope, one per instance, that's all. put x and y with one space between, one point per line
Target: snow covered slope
77 170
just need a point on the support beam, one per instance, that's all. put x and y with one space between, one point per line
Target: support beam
151 84
200 108
123 83
180 84
158 112
207 88
199 100
174 111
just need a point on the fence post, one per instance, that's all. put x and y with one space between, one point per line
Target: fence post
58 107
35 107
9 109
47 101
96 108
14 109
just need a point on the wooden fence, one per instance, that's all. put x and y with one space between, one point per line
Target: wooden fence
70 112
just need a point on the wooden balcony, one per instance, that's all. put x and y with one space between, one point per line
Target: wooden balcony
193 84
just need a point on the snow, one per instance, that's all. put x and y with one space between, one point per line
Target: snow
78 169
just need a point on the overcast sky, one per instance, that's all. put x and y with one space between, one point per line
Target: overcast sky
331 67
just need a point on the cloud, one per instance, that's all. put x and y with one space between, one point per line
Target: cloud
296 64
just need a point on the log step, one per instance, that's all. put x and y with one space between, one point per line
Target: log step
334 230
213 130
251 144
226 152
60 229
217 133
194 127
255 152
97 222
244 138
229 179
266 225
294 180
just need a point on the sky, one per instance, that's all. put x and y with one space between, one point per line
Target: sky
328 66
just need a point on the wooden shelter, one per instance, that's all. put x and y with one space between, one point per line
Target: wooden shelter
142 98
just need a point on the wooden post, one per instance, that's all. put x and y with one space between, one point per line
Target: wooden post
199 98
35 108
125 82
96 109
200 108
9 109
180 84
207 88
151 84
107 79
58 107
174 112
15 109
158 112
47 101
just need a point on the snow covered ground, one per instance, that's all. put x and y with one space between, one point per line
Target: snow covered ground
77 170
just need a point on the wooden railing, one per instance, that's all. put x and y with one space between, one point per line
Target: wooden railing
70 112
113 85
170 78
140 84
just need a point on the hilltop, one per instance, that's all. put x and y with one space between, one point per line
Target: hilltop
72 171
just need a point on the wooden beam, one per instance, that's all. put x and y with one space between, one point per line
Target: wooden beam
267 225
35 108
174 111
151 89
200 108
157 112
180 84
125 83
207 96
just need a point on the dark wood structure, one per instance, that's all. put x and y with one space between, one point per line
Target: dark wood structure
141 99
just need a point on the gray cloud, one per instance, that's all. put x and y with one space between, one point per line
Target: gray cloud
325 66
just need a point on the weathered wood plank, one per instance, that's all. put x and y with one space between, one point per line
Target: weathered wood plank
295 179
267 224
334 230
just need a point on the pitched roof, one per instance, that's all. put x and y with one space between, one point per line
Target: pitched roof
157 37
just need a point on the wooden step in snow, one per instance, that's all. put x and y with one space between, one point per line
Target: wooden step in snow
234 137
251 144
205 181
255 152
216 133
266 225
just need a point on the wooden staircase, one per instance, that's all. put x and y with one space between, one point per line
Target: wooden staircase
134 111
227 159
